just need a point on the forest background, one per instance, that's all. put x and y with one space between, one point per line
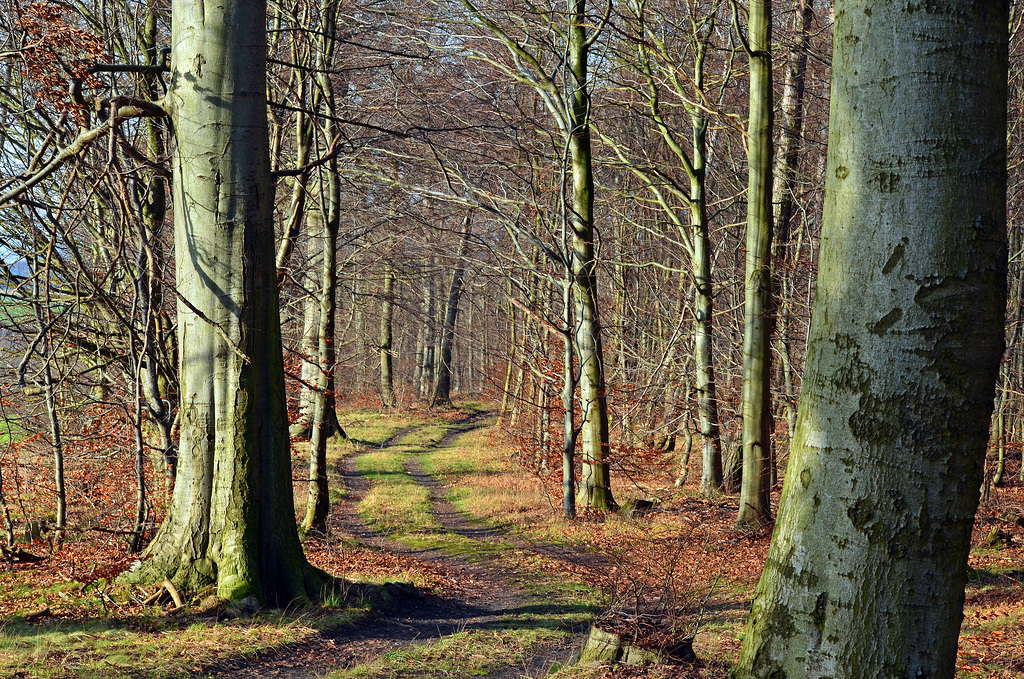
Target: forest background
429 240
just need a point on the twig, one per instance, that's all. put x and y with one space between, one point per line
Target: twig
216 327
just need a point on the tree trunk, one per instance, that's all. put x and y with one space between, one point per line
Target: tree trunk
387 380
755 507
786 166
595 487
569 431
427 361
867 568
324 422
231 519
707 404
442 387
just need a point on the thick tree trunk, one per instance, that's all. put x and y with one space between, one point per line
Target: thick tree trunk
231 519
866 573
755 506
595 487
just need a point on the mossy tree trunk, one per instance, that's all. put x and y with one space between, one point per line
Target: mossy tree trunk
867 568
755 506
231 519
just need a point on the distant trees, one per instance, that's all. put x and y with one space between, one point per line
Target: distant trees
868 562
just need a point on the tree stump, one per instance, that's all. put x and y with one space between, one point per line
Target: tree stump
608 647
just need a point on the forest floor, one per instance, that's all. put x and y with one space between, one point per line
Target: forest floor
467 571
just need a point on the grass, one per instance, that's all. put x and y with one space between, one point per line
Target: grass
156 646
470 653
9 431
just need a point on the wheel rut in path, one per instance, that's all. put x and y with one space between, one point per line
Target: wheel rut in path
486 594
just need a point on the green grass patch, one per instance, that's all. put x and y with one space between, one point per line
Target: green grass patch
395 505
10 431
471 653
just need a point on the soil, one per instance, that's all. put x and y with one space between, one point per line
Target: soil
484 595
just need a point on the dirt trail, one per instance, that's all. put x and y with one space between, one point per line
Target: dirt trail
486 593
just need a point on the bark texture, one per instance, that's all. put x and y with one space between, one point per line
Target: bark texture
231 519
866 573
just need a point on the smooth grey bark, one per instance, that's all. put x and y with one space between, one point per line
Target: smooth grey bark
442 385
755 505
231 518
868 563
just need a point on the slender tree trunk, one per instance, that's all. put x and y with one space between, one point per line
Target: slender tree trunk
755 506
324 421
510 363
569 430
328 211
707 404
8 523
868 563
231 519
784 190
387 380
595 488
442 386
56 435
426 384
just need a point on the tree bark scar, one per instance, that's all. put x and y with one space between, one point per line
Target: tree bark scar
896 257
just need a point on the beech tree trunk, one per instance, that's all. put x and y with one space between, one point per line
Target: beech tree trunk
755 507
711 480
595 487
442 387
784 191
387 380
231 519
867 568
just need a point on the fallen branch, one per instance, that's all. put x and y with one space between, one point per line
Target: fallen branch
178 602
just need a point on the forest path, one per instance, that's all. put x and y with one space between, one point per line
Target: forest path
535 623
